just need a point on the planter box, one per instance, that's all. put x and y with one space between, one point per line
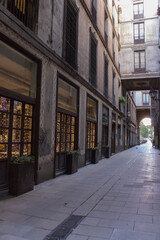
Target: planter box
107 153
95 156
21 178
71 164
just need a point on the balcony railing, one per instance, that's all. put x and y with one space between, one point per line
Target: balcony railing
25 10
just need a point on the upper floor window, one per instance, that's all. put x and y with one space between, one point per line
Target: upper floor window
93 60
70 34
145 99
25 11
106 28
139 33
105 76
94 10
138 10
139 61
113 87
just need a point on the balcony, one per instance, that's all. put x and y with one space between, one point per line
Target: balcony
25 11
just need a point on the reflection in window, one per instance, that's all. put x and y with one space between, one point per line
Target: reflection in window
17 72
91 109
67 96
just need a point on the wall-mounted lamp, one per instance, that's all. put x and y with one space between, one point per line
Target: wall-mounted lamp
153 94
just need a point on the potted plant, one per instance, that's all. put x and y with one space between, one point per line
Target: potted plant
95 155
72 162
107 152
122 99
21 175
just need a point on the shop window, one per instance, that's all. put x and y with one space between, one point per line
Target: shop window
139 33
91 122
93 60
138 10
17 72
139 61
67 127
105 123
70 34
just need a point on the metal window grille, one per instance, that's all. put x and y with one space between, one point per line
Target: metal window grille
94 11
71 36
25 10
106 77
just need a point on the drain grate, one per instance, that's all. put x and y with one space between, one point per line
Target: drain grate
65 228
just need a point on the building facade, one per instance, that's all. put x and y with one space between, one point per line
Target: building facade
60 84
139 54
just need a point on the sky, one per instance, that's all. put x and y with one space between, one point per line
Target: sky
146 121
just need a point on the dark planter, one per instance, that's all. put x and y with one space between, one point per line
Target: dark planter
21 178
107 153
95 156
71 164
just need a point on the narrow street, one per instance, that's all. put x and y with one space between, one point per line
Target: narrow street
116 199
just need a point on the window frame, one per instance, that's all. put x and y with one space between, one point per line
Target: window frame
106 78
76 11
146 103
139 40
137 16
93 81
140 70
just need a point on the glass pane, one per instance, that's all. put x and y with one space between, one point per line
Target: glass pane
3 135
57 147
17 121
15 150
91 109
58 137
27 149
72 129
28 110
27 123
135 9
17 107
19 72
16 136
141 8
4 104
67 96
136 58
105 116
72 146
141 31
68 138
27 136
3 151
62 147
67 147
62 137
72 138
4 119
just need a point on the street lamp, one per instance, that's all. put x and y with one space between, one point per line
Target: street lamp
153 94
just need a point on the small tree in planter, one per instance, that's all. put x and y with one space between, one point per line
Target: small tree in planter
72 162
95 155
21 175
107 152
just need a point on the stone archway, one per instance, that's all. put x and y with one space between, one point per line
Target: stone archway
141 114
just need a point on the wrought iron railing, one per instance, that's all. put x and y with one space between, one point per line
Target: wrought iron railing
25 10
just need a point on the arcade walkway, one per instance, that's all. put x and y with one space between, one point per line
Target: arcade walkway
116 199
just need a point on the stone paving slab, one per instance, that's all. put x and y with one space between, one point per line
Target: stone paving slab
119 197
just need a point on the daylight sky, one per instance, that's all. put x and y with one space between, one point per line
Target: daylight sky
146 121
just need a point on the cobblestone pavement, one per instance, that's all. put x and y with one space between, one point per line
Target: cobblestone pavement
118 198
